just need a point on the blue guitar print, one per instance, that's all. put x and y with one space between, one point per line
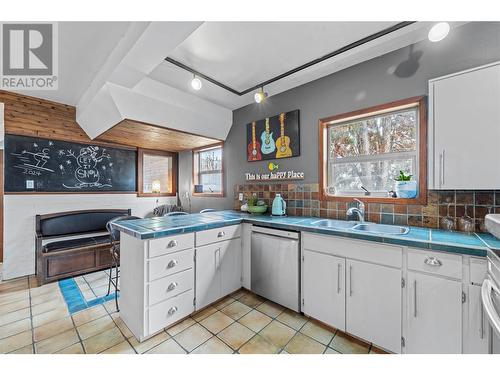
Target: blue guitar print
268 145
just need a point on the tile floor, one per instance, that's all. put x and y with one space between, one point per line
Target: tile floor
36 320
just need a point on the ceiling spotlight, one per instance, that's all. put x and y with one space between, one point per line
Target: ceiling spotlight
438 31
196 83
260 95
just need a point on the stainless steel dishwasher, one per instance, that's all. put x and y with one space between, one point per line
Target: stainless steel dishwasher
275 264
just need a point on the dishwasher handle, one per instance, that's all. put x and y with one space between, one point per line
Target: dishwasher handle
487 289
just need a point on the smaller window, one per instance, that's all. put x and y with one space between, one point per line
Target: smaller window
208 171
156 173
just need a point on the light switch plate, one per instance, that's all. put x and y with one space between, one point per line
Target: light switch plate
30 184
240 197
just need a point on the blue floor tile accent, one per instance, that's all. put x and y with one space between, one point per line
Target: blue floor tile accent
74 298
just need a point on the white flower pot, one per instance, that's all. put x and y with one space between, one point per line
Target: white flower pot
406 189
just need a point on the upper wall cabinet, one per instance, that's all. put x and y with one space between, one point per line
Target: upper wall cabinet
464 136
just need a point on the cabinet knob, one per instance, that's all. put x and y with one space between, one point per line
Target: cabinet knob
172 263
172 286
433 261
221 234
171 244
172 310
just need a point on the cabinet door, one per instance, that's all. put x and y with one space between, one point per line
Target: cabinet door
230 266
478 332
373 303
466 117
324 288
208 276
434 315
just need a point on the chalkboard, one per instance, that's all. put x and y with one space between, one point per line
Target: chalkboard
44 165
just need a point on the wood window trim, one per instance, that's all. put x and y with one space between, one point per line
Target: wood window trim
140 160
422 152
193 177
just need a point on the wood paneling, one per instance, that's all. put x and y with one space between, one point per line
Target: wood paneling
142 135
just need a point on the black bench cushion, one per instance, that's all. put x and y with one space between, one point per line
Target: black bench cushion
77 222
76 243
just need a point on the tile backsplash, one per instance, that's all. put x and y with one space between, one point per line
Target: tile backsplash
303 200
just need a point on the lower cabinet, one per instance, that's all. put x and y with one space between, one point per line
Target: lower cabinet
478 331
218 271
373 303
434 311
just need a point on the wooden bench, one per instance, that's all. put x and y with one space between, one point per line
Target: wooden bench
73 243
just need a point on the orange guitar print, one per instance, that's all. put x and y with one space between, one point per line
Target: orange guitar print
283 142
253 149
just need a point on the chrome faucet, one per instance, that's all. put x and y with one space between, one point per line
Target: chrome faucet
360 210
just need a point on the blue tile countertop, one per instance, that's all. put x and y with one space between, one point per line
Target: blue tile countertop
433 239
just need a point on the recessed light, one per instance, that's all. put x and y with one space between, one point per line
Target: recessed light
260 96
196 83
439 31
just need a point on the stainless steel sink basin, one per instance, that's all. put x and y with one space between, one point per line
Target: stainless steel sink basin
381 228
334 224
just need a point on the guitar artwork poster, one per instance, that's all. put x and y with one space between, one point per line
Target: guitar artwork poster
274 137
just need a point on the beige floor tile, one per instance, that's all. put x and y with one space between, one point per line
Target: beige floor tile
33 282
44 289
236 310
49 316
238 294
277 333
223 303
258 345
57 342
14 306
292 319
48 297
346 344
216 322
270 308
318 332
103 341
236 335
100 291
14 296
110 306
14 285
28 349
47 306
331 351
90 277
375 350
121 325
181 326
144 346
15 342
95 326
73 349
88 315
122 348
88 295
302 344
255 320
251 300
100 282
213 346
202 314
167 347
192 337
14 316
15 327
53 328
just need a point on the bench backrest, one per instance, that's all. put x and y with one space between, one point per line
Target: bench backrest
75 222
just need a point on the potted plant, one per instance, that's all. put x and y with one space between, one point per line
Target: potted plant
405 186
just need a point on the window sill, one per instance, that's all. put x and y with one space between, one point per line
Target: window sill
213 195
420 199
156 194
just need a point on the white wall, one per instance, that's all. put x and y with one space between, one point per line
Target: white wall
19 221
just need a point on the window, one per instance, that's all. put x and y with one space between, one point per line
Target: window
157 172
208 171
363 151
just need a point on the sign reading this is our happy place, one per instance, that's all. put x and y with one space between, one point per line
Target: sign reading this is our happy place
274 174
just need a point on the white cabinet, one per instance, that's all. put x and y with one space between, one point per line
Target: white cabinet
218 271
465 129
324 288
434 314
478 332
373 303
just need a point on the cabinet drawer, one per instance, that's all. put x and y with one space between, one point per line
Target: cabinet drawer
170 286
218 234
170 311
478 269
441 264
170 263
167 245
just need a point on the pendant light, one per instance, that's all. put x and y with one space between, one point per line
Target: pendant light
260 96
196 83
439 31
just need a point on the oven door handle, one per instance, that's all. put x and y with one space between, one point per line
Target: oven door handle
486 296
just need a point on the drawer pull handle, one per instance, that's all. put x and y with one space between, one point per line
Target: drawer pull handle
433 261
221 234
172 310
172 263
172 286
171 244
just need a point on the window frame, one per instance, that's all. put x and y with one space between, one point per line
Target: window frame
140 161
195 175
421 158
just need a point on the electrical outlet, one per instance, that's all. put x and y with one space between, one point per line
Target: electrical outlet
30 184
240 197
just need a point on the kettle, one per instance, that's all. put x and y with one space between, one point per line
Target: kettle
279 206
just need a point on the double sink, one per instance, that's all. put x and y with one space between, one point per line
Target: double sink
362 227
